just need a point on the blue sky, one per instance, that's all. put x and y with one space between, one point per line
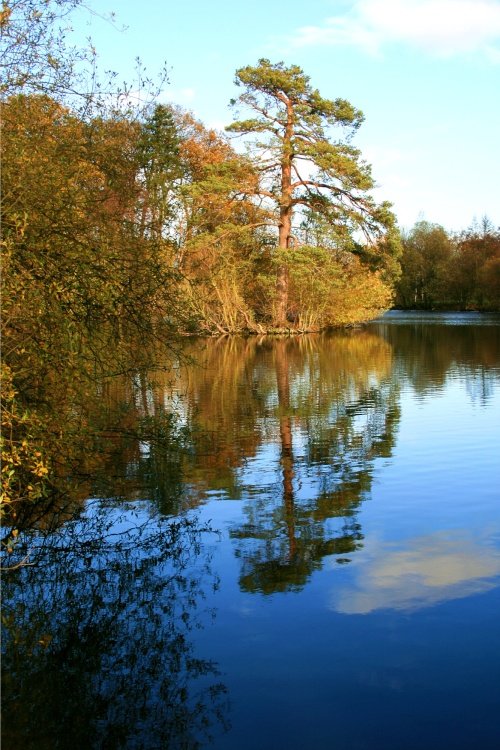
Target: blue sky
426 74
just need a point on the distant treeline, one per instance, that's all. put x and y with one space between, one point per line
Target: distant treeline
455 271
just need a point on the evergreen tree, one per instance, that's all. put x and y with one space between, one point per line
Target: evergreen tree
300 161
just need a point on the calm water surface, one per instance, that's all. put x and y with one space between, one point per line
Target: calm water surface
307 556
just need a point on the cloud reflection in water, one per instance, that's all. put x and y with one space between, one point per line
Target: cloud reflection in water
429 570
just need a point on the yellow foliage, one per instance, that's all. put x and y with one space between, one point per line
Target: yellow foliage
78 282
24 469
325 291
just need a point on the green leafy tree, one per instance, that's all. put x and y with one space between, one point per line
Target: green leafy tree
460 271
323 290
301 163
427 251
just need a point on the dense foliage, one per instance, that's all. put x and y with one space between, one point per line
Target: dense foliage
450 271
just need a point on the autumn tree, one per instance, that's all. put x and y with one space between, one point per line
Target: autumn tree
82 284
456 271
85 294
215 226
475 275
302 163
36 57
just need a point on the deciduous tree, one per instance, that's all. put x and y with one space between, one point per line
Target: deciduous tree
426 253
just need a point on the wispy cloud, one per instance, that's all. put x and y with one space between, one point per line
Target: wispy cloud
442 27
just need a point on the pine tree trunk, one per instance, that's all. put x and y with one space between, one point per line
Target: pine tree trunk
285 227
282 280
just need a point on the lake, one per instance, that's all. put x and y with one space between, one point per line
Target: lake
300 549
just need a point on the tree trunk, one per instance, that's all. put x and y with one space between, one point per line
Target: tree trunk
285 226
282 280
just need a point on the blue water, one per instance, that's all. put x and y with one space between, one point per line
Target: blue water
348 593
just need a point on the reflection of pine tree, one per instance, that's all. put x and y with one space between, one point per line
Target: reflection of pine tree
97 651
313 516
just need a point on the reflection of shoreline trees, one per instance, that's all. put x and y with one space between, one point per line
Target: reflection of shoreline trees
325 404
286 440
97 645
325 401
428 354
121 416
291 427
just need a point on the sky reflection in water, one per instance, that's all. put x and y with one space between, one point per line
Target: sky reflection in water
426 571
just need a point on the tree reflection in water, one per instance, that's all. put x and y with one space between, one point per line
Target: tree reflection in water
97 648
99 651
428 350
342 417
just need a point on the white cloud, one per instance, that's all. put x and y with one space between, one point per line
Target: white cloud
443 27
